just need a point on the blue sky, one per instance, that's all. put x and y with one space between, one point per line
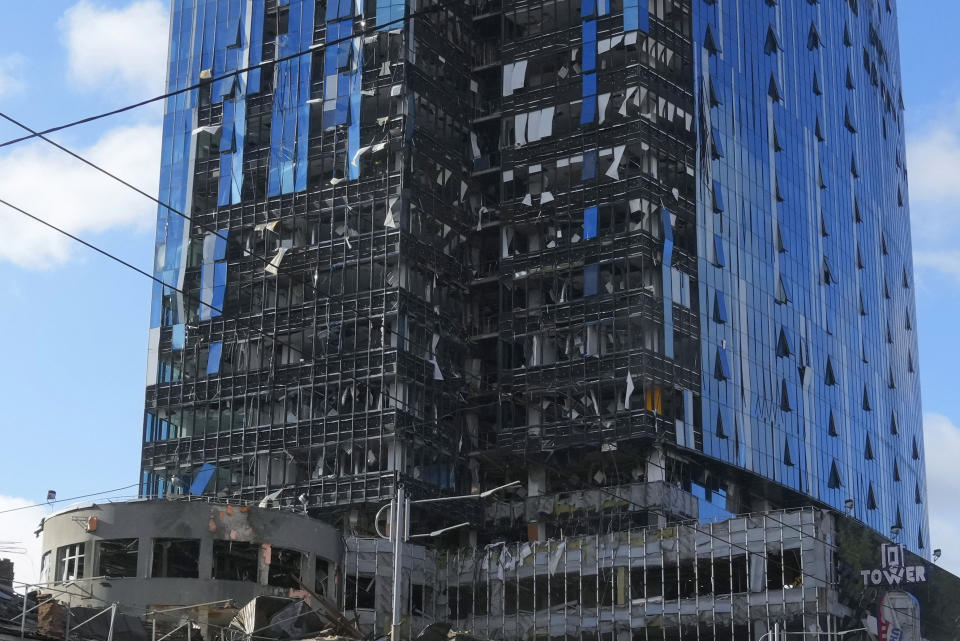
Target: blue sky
73 326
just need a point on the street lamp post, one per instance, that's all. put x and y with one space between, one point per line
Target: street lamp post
398 530
399 533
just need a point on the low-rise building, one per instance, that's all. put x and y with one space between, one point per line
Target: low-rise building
156 555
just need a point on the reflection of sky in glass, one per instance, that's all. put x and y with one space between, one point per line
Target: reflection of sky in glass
801 166
712 504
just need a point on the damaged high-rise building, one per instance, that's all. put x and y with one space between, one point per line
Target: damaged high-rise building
657 250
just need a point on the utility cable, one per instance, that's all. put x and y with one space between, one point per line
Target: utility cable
335 298
263 259
229 74
267 262
237 319
42 135
72 498
154 278
141 272
271 337
157 280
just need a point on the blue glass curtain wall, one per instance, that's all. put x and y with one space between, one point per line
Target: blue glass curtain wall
800 175
290 123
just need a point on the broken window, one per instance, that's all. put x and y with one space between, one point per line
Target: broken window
117 557
722 365
235 560
45 568
420 598
834 481
284 568
360 592
719 308
70 562
321 577
784 570
730 575
176 558
463 601
783 344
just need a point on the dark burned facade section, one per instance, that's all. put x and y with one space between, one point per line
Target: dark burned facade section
441 249
321 346
574 244
586 296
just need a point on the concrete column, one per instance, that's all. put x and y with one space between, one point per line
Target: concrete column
656 465
536 486
205 566
536 481
144 556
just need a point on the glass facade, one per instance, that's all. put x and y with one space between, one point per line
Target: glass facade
595 243
804 254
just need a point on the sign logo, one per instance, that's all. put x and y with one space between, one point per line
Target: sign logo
898 617
893 570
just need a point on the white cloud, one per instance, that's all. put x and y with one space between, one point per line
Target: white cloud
16 530
933 159
945 262
942 448
51 185
124 47
10 77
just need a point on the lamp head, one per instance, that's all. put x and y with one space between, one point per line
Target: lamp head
494 490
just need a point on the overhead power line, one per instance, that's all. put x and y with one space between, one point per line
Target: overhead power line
207 228
72 498
352 306
318 47
111 256
120 260
267 262
235 318
349 305
42 135
271 336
